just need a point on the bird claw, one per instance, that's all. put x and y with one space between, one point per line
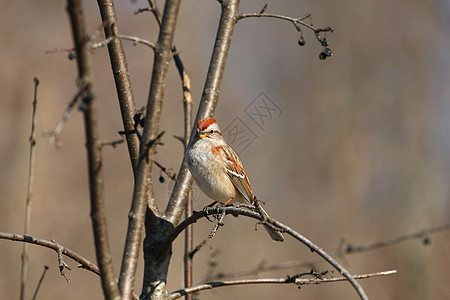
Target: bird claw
208 207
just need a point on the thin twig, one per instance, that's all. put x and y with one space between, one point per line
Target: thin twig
297 22
40 282
166 171
94 151
31 164
276 225
134 39
55 135
350 249
86 264
297 281
113 143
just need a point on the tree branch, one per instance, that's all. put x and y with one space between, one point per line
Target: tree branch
297 22
31 163
121 77
278 225
417 235
208 102
134 39
143 184
341 252
297 281
84 263
94 150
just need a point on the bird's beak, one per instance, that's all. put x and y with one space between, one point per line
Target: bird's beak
201 134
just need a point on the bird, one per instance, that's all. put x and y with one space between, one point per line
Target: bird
218 171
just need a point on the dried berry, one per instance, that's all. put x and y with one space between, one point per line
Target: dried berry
301 41
327 52
324 42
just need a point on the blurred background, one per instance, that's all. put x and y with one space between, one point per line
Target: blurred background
355 148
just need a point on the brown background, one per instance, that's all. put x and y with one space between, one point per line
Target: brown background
360 151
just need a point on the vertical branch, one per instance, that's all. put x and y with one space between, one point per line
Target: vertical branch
32 139
94 150
121 78
208 102
143 183
189 234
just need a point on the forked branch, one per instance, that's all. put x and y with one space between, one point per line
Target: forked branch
298 24
84 263
143 184
277 225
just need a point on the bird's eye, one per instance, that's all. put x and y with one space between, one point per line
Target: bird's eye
211 131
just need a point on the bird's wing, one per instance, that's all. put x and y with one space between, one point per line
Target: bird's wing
236 173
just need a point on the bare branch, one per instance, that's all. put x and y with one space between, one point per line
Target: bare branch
342 251
86 264
208 102
94 151
298 24
185 78
350 249
55 135
277 225
143 185
121 78
31 163
40 282
297 281
134 39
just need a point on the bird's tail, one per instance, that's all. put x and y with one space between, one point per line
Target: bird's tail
275 235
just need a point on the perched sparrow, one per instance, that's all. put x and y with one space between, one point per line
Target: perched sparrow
218 171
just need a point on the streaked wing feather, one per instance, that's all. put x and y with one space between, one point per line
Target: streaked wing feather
237 175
